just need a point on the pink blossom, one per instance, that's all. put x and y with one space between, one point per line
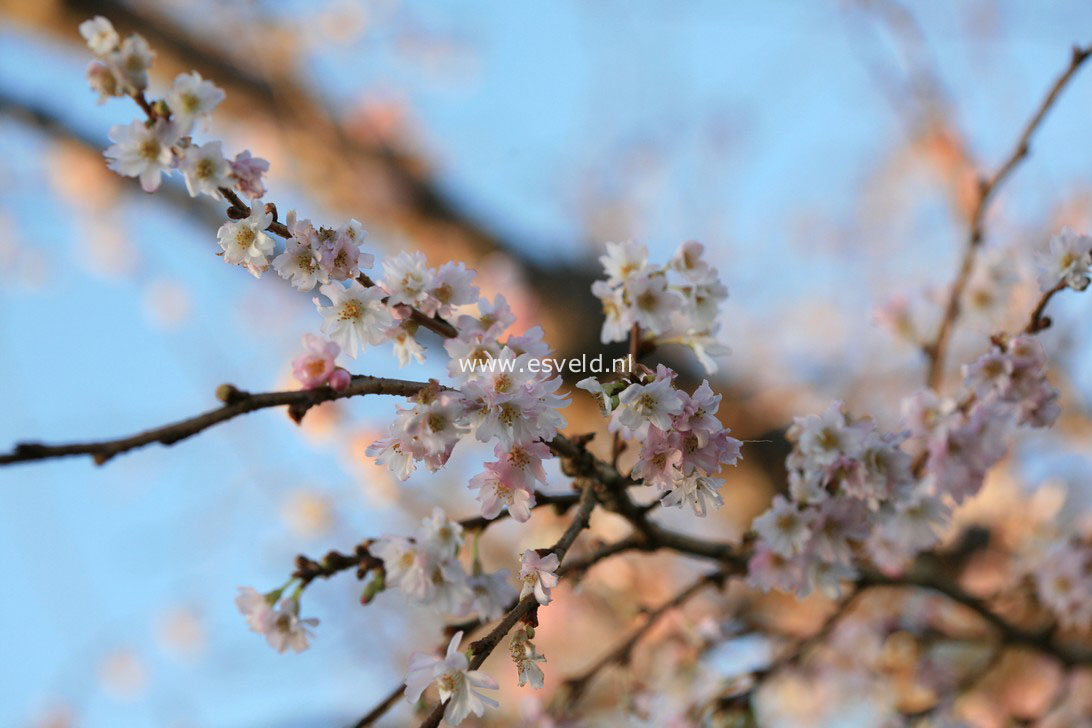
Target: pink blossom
315 367
248 171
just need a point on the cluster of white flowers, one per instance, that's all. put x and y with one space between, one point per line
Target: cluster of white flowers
312 257
280 624
965 436
683 444
427 569
501 397
672 304
1066 260
850 485
161 144
457 684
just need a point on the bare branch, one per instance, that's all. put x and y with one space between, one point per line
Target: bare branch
936 350
236 402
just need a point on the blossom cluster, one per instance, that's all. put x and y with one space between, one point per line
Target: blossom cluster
280 624
683 444
427 569
672 304
149 148
962 437
508 402
851 486
1063 582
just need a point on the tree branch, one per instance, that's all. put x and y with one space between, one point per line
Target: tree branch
236 402
936 350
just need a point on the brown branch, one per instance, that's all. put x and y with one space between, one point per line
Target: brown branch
236 402
1038 321
936 350
1042 640
525 606
576 686
335 562
379 710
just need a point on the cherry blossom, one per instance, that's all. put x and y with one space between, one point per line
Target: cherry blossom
287 631
131 63
247 171
246 243
191 98
673 304
1066 260
356 315
316 368
142 150
298 265
281 626
100 35
538 575
205 170
491 594
459 686
498 487
640 405
1063 585
257 609
526 658
784 528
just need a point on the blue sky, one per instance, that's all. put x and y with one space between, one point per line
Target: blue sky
726 122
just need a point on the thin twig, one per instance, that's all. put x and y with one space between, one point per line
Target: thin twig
1038 321
379 710
620 654
936 350
525 606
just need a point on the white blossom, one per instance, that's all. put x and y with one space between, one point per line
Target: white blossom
642 404
142 150
246 243
205 170
356 315
192 98
458 686
1066 260
100 35
538 574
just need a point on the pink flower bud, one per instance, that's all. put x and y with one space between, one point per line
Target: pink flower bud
339 380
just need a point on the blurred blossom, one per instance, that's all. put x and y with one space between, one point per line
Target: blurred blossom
827 700
123 674
180 631
340 22
166 303
79 177
307 513
377 483
54 716
106 249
